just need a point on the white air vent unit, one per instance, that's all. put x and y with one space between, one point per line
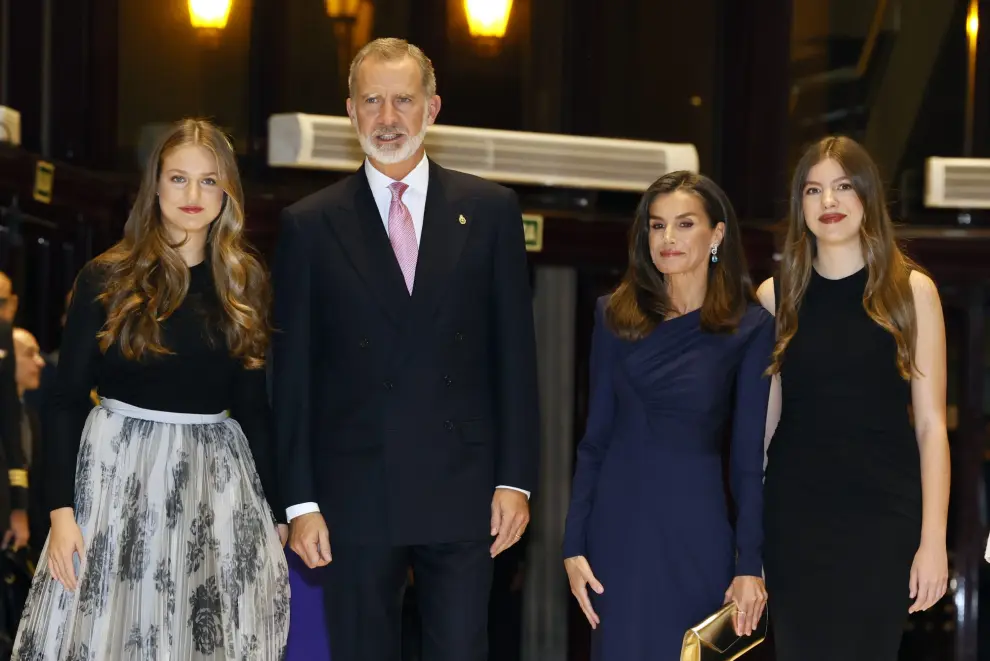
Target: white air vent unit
10 126
543 159
957 183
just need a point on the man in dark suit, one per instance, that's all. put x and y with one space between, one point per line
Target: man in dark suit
404 376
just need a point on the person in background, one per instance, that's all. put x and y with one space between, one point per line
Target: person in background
163 543
29 364
856 499
39 397
13 463
678 356
8 299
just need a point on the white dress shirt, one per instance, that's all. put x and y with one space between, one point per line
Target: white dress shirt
414 198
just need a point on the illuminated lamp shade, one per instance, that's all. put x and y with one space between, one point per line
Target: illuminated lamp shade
488 18
209 14
973 20
345 9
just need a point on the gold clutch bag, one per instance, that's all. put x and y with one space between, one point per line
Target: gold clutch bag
715 639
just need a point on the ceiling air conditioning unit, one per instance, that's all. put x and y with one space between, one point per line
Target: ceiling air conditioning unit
10 126
513 157
957 183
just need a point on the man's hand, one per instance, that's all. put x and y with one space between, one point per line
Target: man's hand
510 516
310 539
283 533
18 533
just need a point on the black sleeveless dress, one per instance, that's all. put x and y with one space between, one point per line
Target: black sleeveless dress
842 499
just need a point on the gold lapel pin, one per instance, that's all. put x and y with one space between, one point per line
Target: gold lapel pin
462 220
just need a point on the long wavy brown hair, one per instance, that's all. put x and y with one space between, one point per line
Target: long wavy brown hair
641 300
888 298
147 279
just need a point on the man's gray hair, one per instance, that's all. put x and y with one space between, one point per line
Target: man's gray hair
389 49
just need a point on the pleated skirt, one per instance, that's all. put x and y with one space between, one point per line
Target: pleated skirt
182 559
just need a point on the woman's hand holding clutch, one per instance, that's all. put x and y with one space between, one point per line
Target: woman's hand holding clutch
580 576
750 596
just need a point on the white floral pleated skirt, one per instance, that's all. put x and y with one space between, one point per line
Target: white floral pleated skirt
182 558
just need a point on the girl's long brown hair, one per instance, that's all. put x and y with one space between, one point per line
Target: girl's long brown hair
641 300
146 278
888 297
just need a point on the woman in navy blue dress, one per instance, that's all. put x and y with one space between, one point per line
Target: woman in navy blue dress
678 358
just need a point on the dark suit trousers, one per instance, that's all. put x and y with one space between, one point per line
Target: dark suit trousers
364 595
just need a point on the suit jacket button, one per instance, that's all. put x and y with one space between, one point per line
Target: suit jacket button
448 425
458 336
388 385
447 380
365 343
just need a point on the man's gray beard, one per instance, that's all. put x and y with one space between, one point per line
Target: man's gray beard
393 156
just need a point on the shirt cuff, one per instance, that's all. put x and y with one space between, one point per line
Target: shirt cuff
300 509
503 486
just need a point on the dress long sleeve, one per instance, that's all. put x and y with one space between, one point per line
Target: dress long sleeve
253 412
79 360
749 425
591 450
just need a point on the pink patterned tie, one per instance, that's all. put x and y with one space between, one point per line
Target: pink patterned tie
402 234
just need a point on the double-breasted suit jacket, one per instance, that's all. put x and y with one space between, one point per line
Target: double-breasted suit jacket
399 414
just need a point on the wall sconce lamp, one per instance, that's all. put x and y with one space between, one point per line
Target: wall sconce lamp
972 33
343 16
345 10
487 21
209 17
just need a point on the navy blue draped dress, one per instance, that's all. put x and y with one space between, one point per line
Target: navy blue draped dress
649 507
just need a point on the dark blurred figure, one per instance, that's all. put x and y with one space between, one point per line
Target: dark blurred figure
13 472
37 399
29 365
17 564
8 299
14 573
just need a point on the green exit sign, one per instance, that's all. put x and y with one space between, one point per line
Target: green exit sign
533 231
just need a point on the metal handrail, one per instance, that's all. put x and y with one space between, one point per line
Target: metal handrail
846 74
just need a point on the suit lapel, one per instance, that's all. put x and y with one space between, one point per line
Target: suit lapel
441 242
362 233
359 227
